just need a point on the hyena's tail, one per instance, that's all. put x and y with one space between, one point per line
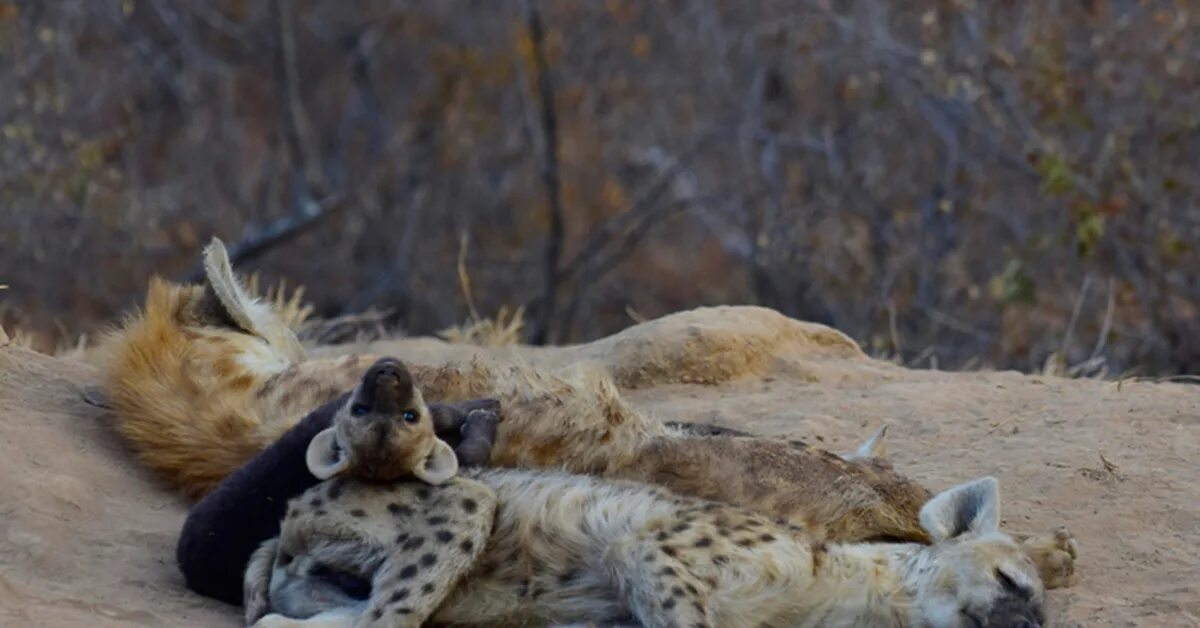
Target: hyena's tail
182 375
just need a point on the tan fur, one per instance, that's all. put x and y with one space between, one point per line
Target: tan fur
197 395
563 548
382 433
179 383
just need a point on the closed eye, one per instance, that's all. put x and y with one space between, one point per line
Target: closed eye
1012 586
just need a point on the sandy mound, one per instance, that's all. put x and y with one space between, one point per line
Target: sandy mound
88 537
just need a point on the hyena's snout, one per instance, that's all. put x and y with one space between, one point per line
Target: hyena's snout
385 390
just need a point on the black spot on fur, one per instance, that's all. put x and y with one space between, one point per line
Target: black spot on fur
691 588
566 577
669 551
403 610
467 546
423 493
428 560
668 603
438 520
316 502
676 591
704 541
720 559
680 527
408 572
402 537
766 538
358 512
668 571
377 614
444 536
398 595
413 543
335 489
469 505
400 510
427 588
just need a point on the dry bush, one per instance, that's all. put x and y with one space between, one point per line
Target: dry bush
954 184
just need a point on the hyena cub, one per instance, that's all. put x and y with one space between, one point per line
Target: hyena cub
525 548
385 432
383 411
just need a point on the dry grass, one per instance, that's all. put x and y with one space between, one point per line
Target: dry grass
288 303
503 330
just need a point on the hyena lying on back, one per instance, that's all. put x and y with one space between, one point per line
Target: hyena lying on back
532 548
206 377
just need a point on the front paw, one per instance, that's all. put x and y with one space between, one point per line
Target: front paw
1054 554
486 404
481 424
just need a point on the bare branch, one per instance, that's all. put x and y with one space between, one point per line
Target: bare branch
298 128
550 179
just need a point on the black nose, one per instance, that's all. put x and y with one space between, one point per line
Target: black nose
385 387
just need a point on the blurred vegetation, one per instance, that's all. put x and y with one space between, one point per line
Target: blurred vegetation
955 183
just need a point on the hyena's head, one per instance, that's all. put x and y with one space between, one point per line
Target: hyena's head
384 432
973 575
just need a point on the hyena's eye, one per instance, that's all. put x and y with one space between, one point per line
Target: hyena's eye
359 409
410 416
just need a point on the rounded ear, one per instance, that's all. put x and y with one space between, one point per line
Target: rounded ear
324 457
440 465
972 507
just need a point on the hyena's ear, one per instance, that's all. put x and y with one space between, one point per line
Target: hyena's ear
874 448
973 507
324 457
440 465
246 312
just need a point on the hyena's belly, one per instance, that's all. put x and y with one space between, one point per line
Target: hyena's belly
546 559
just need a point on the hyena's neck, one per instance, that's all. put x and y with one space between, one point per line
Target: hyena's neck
287 396
861 584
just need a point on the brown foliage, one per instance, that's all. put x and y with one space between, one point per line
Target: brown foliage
937 179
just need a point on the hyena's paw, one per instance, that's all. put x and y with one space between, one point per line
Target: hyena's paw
1054 554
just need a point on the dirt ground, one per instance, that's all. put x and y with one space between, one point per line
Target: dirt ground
87 537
